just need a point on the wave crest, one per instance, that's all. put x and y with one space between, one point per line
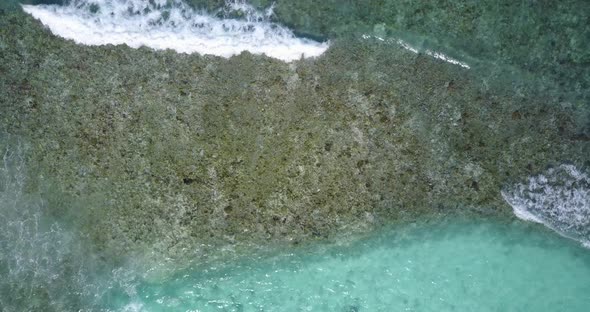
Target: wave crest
558 199
172 24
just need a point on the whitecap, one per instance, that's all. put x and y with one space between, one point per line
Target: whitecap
165 24
558 199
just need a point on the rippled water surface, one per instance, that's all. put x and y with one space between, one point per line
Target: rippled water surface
64 171
456 266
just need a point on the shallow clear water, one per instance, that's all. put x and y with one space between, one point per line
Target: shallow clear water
48 263
457 266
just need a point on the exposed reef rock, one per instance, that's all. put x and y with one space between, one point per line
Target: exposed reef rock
546 38
172 151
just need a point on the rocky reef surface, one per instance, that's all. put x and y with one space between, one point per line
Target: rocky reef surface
548 39
174 154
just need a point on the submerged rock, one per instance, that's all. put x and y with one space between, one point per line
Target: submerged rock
546 38
177 153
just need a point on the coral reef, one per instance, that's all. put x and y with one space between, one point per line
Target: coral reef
546 38
177 153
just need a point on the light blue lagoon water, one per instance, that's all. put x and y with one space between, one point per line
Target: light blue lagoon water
50 260
445 266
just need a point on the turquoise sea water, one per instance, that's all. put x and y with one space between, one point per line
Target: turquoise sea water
443 266
47 263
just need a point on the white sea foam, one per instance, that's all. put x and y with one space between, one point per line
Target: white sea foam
171 24
133 307
411 48
558 199
44 259
32 249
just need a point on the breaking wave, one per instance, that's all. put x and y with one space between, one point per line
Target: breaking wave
172 24
558 199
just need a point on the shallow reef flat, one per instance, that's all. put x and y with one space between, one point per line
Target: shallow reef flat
160 151
546 38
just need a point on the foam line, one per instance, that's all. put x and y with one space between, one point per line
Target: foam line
413 49
558 199
161 24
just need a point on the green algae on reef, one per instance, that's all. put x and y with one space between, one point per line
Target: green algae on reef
173 151
547 38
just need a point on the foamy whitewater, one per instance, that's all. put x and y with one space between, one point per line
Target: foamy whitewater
171 24
558 199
